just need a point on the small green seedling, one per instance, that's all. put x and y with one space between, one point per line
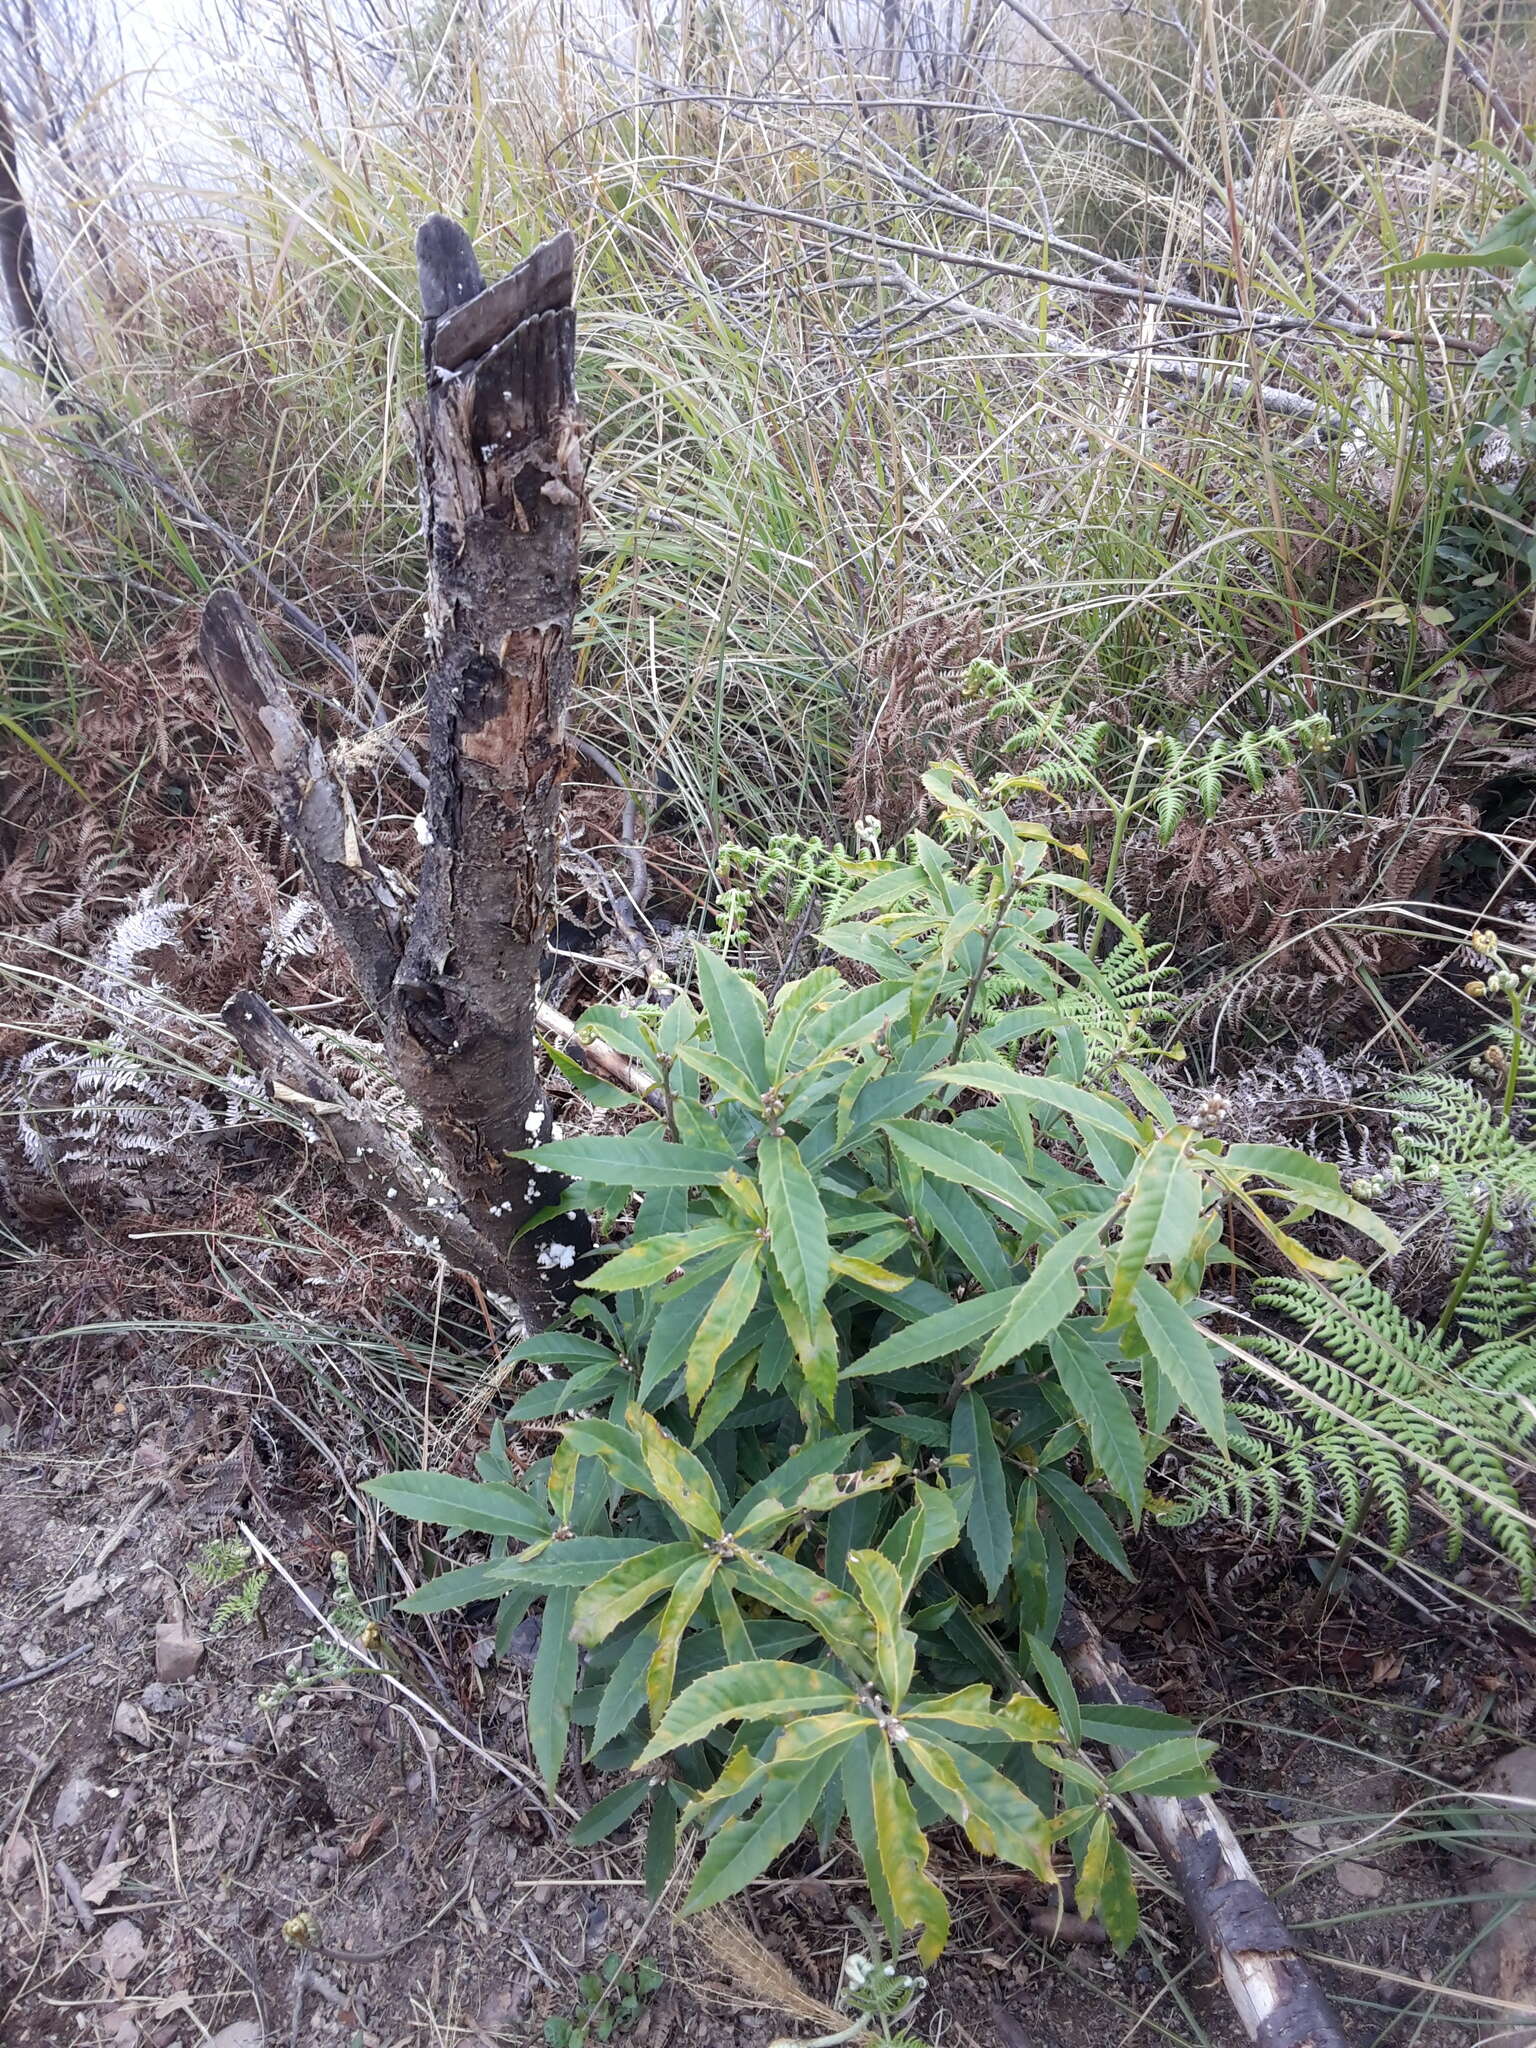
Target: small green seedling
612 2001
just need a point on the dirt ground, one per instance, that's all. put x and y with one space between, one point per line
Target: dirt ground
212 1834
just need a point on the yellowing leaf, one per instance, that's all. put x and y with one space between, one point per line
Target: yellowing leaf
721 1323
692 1584
903 1851
631 1585
679 1477
769 1690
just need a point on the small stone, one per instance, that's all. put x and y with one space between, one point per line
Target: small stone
122 1950
178 1650
1360 1880
132 1724
33 1656
163 1699
74 1802
15 1862
523 1645
87 1589
238 2034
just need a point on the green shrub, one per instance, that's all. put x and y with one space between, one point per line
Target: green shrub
898 1326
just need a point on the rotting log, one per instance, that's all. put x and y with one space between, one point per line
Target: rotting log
455 989
1270 1984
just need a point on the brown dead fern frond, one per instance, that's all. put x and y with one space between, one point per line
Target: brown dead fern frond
1305 919
923 713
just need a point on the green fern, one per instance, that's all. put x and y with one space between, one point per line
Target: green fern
1149 771
242 1606
1447 1131
1378 1406
221 1560
323 1660
793 870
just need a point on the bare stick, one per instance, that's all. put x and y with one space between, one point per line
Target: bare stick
1272 1988
45 1670
1231 317
597 1058
1171 153
311 807
1201 376
1504 116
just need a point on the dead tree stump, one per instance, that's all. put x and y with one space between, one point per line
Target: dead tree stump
456 989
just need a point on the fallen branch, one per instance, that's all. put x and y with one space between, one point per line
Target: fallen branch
1233 318
378 1162
1504 116
597 1058
1203 377
1272 1988
1177 160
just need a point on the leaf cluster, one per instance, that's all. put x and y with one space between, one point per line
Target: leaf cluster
907 1305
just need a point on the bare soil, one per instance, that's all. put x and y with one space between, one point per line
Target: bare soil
258 1852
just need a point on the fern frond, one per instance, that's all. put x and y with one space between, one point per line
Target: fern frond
1378 1407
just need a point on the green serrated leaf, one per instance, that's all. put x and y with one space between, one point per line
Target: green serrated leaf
1100 1404
745 1847
1164 1205
936 1336
947 1153
735 1014
439 1497
552 1686
797 1223
1176 1769
769 1690
1050 1294
721 1323
644 1160
608 1815
989 1521
1184 1356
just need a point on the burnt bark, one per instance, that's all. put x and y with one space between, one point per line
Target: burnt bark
1270 1984
499 454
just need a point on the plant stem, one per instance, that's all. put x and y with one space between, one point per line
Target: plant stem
1511 1079
989 940
1469 1266
1123 813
